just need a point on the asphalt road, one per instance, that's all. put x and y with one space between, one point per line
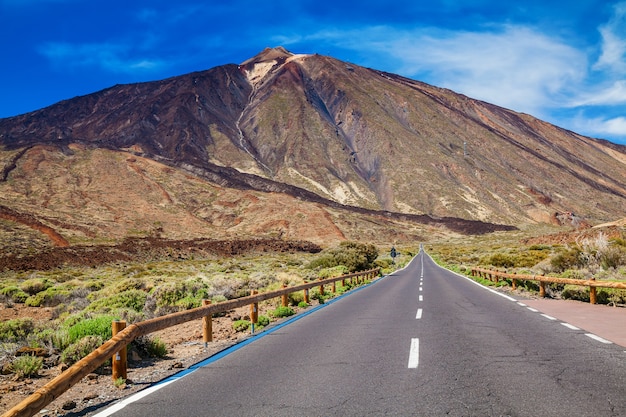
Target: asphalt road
420 342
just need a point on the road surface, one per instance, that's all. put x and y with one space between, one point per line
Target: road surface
420 342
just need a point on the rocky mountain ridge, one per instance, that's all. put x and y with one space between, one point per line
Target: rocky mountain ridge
311 129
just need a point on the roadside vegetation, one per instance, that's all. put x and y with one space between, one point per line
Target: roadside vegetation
83 301
587 256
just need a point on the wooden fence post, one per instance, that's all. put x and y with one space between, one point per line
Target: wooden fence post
254 311
514 283
207 325
542 289
119 360
334 287
284 298
321 289
592 293
306 296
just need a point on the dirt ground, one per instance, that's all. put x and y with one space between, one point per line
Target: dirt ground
96 391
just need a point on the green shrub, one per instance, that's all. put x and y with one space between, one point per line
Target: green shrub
263 321
296 298
50 297
58 338
189 302
16 330
148 346
14 293
302 304
129 284
35 285
282 312
97 326
241 325
353 255
332 272
131 299
218 299
569 259
179 296
499 260
26 366
612 257
81 348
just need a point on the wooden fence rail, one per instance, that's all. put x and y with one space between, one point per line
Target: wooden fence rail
111 348
591 283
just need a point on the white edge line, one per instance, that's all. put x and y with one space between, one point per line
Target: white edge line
479 284
591 335
570 326
414 353
135 397
549 317
598 338
521 304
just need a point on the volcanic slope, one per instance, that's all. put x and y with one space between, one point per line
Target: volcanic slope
312 127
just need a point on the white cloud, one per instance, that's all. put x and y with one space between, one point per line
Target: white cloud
611 95
613 57
512 66
615 127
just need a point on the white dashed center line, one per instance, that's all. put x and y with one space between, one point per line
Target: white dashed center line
414 353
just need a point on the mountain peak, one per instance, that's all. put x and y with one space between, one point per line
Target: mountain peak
268 60
269 54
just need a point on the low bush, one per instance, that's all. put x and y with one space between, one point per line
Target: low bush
282 312
16 330
613 257
241 325
335 271
263 321
97 326
567 259
177 296
35 285
26 366
521 259
14 293
50 297
81 348
296 298
131 299
354 256
148 346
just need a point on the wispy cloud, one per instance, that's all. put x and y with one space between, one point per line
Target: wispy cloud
513 66
613 57
601 126
520 67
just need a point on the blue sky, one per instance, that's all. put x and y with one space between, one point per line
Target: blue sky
564 62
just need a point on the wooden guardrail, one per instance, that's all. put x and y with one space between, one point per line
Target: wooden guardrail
591 283
115 347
